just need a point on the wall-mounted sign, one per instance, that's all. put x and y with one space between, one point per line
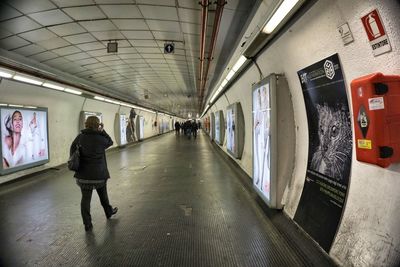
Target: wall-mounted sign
377 36
345 33
169 48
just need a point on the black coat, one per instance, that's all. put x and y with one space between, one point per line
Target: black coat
93 164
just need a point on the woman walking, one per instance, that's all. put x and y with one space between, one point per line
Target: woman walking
93 172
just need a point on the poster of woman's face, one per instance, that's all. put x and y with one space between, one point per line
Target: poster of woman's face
23 137
261 139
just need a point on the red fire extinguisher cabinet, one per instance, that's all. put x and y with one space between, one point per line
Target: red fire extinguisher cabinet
376 113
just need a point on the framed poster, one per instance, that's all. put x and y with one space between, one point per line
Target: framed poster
235 130
264 138
24 138
219 127
329 150
120 124
141 128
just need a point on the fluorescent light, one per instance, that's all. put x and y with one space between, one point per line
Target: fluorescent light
279 15
239 63
53 86
1 104
5 74
224 82
230 75
30 107
75 92
16 106
99 98
112 101
27 80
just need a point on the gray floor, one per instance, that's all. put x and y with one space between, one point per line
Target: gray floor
181 203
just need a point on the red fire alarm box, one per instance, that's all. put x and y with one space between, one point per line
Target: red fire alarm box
376 113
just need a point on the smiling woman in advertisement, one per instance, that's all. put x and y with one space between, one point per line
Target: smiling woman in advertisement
14 150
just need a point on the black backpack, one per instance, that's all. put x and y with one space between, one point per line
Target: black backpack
74 160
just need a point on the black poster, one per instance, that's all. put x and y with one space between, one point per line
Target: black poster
329 151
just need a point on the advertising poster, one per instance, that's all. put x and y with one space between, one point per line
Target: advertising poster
261 139
130 127
230 125
141 127
329 151
122 130
217 127
24 140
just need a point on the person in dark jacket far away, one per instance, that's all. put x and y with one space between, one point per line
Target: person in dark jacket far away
93 172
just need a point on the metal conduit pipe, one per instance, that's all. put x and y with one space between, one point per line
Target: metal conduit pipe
204 15
217 23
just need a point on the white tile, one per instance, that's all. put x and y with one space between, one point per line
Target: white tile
159 12
80 38
8 12
57 62
157 2
158 55
98 25
121 44
86 61
189 4
127 50
29 50
157 62
164 25
114 1
94 66
67 3
66 50
44 56
130 24
97 53
78 56
4 33
67 29
138 62
108 35
138 35
108 58
121 11
38 35
189 15
145 43
53 43
18 25
76 70
129 56
168 36
51 17
113 63
149 50
91 46
84 12
29 6
12 42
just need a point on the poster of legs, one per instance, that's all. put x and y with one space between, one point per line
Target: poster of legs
130 127
330 149
230 125
261 140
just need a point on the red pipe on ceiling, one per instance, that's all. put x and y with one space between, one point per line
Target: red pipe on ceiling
204 15
217 23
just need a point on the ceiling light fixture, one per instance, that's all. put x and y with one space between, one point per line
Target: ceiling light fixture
27 80
285 7
53 86
75 92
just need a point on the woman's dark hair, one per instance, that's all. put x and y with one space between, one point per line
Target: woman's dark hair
8 121
92 122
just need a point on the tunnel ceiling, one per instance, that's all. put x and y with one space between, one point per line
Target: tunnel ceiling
72 35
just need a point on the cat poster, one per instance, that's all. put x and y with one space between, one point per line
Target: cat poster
329 151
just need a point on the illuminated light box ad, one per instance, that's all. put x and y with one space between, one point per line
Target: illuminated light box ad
141 128
85 114
212 126
264 138
235 130
120 127
24 138
219 127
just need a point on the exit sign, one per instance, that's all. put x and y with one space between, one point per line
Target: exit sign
169 48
